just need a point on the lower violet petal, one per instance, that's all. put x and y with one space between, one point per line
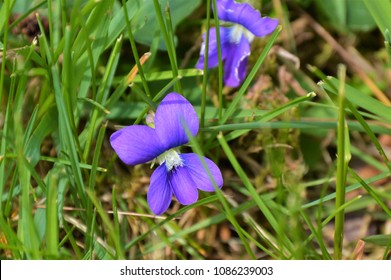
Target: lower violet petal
183 185
200 175
236 62
159 193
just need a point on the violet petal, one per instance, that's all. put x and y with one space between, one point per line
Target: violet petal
246 15
159 194
183 185
136 144
172 115
198 173
236 62
213 58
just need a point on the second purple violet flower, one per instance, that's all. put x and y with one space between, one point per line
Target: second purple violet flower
235 40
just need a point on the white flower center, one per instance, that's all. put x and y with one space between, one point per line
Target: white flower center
236 33
171 158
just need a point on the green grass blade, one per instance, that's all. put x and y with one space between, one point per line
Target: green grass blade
5 13
171 46
254 194
349 188
205 77
233 105
197 149
219 56
52 229
204 201
343 158
101 97
167 75
134 50
380 11
168 41
108 225
372 192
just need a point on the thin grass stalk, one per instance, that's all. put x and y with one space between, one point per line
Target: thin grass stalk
220 65
329 218
171 41
124 84
90 234
16 246
143 96
181 211
26 227
8 9
102 95
5 132
63 15
69 237
227 208
92 180
115 212
341 166
50 23
65 128
157 97
134 50
317 233
18 20
372 192
387 44
108 225
358 115
265 117
70 99
232 107
174 246
205 77
167 40
263 207
88 43
350 188
52 229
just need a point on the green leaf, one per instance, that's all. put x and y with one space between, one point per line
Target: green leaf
380 239
347 14
334 9
380 11
118 24
358 17
45 126
146 18
359 99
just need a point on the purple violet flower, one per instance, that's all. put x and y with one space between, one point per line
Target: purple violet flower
178 174
235 40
